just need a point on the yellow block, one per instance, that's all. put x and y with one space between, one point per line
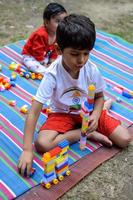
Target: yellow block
47 157
49 169
59 160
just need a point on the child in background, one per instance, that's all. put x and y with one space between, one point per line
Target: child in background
66 84
39 51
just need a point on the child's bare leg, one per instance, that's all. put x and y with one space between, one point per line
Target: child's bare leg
48 139
98 137
120 136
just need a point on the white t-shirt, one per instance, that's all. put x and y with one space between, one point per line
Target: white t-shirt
67 94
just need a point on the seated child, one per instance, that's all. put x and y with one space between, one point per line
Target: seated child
39 51
65 83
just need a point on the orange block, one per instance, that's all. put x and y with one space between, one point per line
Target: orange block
55 151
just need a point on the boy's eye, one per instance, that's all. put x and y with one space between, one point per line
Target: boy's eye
86 54
73 54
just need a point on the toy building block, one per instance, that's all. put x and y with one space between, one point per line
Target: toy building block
12 102
13 76
86 108
15 66
6 84
55 163
32 171
120 90
25 74
36 76
24 109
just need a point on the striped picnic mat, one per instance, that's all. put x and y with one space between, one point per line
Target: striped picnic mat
114 59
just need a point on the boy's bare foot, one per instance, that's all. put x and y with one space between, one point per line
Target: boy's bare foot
107 104
98 137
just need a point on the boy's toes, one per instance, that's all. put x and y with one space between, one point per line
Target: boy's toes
100 138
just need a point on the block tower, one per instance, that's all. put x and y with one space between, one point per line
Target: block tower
86 108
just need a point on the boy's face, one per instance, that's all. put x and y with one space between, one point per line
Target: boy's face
52 24
74 59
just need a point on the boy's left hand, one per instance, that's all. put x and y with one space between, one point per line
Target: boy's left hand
93 123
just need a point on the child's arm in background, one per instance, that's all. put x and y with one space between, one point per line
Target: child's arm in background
98 106
26 158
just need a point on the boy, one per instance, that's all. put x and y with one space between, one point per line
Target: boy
66 83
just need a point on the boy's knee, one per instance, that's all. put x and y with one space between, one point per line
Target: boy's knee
125 140
121 137
41 146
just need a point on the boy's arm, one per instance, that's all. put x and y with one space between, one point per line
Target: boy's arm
25 160
98 104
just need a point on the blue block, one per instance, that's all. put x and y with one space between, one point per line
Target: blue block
127 95
50 179
89 107
63 144
64 164
47 175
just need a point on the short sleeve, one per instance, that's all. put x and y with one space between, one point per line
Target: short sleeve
46 88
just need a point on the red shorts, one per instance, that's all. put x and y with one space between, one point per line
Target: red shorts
63 122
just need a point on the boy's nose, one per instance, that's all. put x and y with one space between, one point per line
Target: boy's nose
81 60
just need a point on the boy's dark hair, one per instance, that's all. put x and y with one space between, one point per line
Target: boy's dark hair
76 31
53 9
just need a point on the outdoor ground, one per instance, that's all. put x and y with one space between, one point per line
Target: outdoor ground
113 180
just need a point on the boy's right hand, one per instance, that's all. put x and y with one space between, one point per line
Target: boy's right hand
25 163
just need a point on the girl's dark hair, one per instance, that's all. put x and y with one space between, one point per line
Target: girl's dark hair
53 9
76 31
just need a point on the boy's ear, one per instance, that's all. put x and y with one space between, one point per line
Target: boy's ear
58 49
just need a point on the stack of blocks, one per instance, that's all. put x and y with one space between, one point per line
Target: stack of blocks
55 163
86 108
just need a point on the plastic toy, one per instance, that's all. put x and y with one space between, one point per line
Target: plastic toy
12 102
24 109
2 88
5 84
55 163
86 108
32 171
13 76
22 70
36 76
15 66
124 93
25 74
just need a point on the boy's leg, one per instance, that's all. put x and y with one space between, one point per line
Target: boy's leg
48 139
120 136
112 128
98 137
